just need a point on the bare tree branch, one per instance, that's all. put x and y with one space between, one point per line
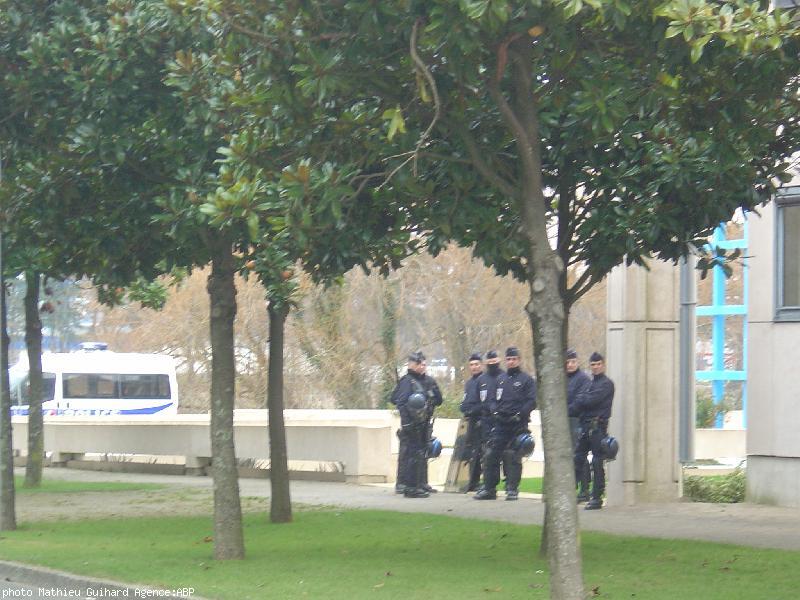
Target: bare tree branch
422 68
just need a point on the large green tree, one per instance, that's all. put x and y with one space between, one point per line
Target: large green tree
95 73
550 134
56 223
287 176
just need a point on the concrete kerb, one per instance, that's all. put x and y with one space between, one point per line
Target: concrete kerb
61 583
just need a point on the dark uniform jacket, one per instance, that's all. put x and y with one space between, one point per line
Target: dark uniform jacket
471 405
596 400
516 395
487 389
411 383
577 383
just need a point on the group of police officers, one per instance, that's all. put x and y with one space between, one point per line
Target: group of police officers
498 405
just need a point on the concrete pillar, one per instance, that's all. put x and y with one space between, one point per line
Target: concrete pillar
643 361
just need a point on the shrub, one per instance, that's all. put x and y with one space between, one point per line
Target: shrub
723 488
706 412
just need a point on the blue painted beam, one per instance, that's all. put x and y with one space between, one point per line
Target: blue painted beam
727 309
731 244
718 311
718 328
746 300
723 375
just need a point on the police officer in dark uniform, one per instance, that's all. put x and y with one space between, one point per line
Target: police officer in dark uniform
594 406
511 408
472 409
577 382
488 383
416 396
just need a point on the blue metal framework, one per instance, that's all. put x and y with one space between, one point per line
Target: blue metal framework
718 311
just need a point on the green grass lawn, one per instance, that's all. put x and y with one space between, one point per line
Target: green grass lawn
55 486
374 554
532 485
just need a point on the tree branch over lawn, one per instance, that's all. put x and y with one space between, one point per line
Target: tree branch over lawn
478 160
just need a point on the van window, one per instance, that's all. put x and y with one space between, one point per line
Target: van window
89 385
144 386
135 386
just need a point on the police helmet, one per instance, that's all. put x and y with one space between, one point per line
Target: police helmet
523 445
434 448
416 405
609 447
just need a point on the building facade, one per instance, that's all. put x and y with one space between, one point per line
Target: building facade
773 370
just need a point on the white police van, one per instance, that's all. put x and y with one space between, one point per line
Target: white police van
96 381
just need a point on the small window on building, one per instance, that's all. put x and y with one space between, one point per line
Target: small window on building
788 258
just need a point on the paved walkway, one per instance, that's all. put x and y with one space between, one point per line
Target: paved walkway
744 524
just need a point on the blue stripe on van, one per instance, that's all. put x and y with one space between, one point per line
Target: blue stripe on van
145 411
22 411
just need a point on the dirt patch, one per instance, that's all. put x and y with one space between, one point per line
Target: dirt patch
75 506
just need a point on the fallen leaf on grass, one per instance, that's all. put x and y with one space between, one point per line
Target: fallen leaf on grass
208 539
497 589
380 585
596 590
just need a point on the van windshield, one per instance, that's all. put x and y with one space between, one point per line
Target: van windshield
21 389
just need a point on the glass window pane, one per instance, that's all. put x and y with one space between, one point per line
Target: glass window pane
791 255
145 386
90 385
76 385
105 386
49 386
21 394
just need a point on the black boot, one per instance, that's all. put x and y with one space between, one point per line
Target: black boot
512 494
594 504
415 493
484 494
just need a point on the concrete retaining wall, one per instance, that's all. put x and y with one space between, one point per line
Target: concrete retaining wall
359 444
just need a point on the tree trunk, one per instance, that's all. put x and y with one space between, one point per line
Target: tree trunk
561 518
389 302
228 537
33 342
8 519
545 536
280 499
546 311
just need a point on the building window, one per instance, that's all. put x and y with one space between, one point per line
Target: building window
788 255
